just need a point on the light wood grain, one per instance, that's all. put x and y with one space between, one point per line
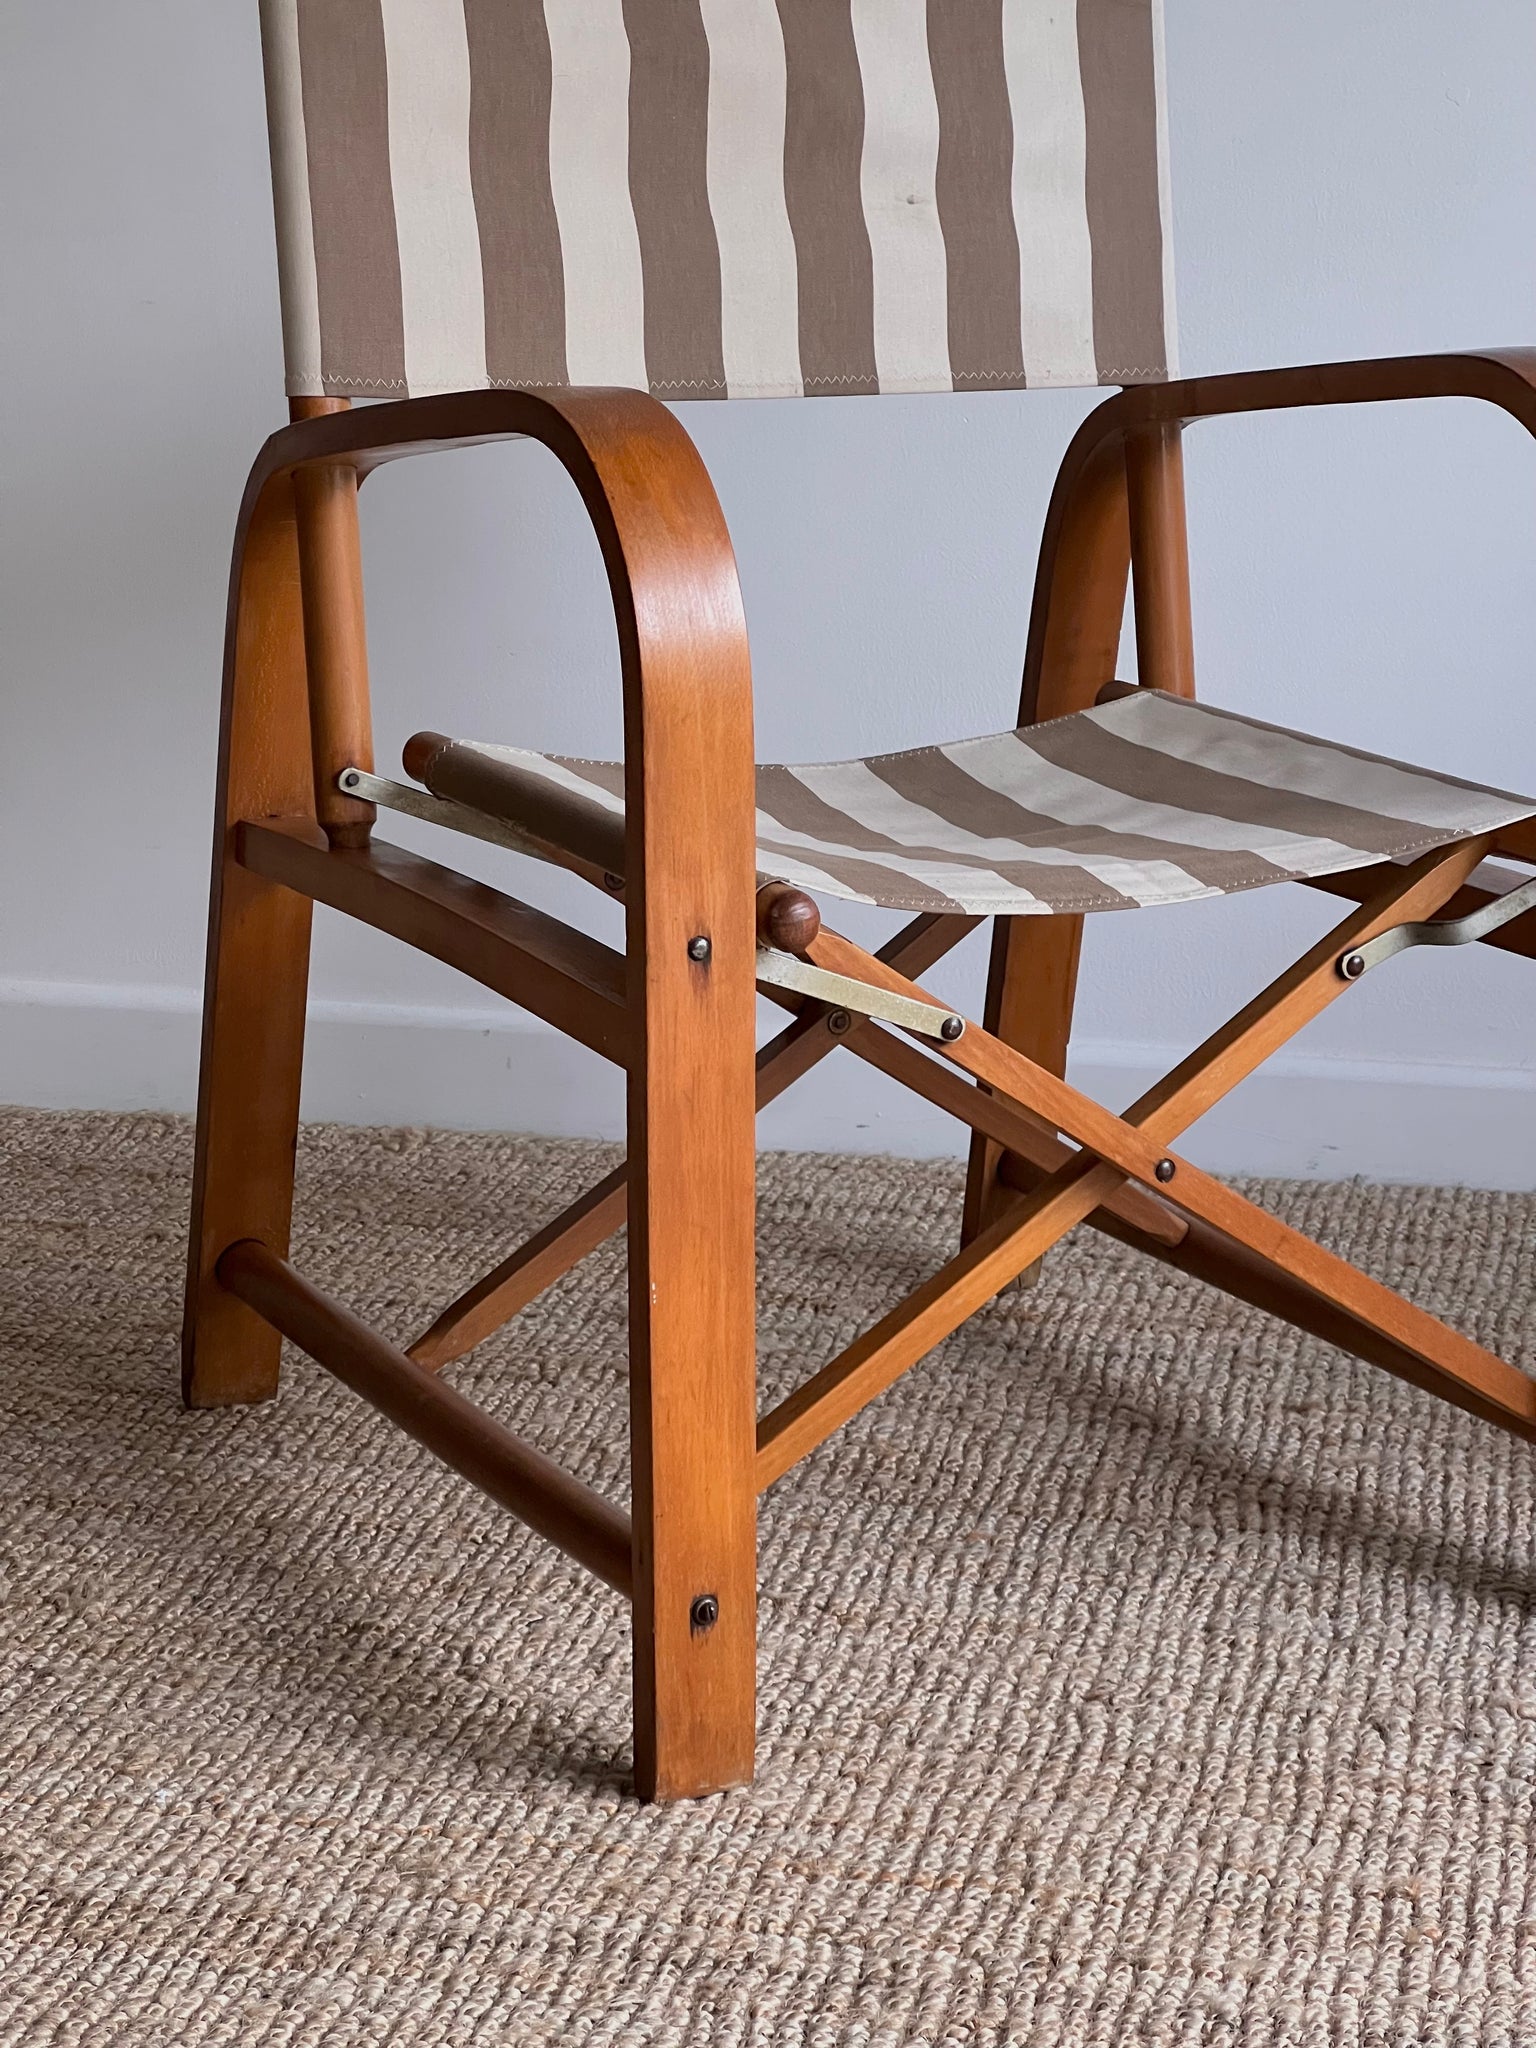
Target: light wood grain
682 1018
512 1472
594 1216
335 644
544 966
1165 637
257 967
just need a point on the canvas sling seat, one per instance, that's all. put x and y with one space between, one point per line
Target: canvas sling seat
541 220
1144 800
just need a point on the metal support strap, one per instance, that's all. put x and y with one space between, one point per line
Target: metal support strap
842 992
783 970
1439 931
438 810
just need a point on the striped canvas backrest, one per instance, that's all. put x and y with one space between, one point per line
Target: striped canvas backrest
719 198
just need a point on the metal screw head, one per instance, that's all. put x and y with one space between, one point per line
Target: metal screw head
704 1612
613 884
1164 1170
951 1029
1352 967
839 1022
699 948
348 778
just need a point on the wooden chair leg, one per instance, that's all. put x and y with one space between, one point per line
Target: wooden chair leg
693 1425
1030 994
258 965
295 712
693 1403
692 1351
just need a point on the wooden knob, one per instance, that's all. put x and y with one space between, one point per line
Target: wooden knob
420 751
786 917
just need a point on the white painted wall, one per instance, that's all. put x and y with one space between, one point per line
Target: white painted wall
1352 178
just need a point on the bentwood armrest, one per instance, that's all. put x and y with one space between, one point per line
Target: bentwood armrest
664 540
1501 377
1085 549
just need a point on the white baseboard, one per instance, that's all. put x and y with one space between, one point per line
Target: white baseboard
70 1045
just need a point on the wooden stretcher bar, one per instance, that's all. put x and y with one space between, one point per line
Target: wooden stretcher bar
512 1472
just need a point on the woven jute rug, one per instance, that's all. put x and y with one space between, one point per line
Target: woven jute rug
1134 1672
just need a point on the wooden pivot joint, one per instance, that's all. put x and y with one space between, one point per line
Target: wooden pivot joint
786 917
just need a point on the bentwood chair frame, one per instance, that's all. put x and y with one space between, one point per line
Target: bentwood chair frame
760 198
1044 1157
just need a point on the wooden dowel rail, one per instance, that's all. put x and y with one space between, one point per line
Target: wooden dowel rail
482 1450
502 789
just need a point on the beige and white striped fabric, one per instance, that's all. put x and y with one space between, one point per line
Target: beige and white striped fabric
719 198
1151 799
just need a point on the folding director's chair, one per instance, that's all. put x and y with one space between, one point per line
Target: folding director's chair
513 219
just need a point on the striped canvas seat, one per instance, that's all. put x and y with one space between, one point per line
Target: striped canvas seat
1151 799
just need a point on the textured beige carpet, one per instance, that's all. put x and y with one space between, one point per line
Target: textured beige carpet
1133 1673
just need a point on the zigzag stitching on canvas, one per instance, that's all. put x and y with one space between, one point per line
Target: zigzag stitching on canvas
1126 373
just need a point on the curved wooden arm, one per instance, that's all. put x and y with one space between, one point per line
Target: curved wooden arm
1074 625
689 783
1502 377
671 570
682 633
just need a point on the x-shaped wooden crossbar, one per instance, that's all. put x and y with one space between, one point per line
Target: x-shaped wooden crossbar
1117 1167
